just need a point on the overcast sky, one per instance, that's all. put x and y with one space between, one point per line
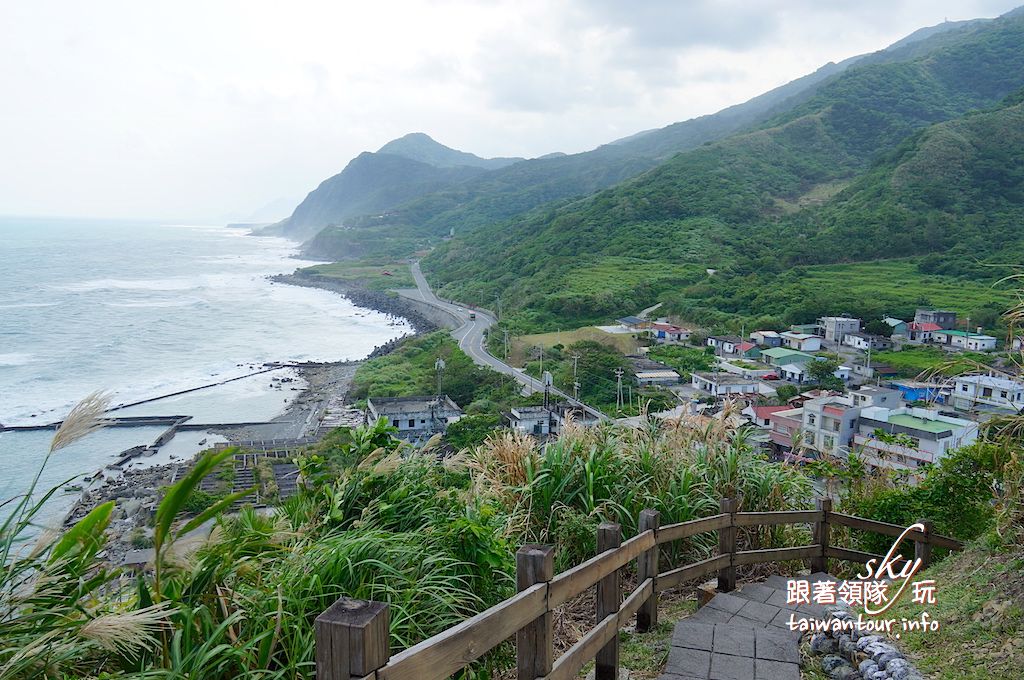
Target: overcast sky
201 110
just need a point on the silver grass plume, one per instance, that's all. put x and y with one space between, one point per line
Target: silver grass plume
84 418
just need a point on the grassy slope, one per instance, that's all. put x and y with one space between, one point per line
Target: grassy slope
366 273
719 206
980 610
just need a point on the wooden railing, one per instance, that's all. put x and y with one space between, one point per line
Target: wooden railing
352 635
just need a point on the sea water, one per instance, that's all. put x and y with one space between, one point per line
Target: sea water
141 309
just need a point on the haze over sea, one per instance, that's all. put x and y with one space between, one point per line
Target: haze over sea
145 309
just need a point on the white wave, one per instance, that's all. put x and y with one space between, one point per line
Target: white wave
24 305
178 283
16 359
181 302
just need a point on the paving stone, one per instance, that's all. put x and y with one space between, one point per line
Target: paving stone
693 635
735 640
673 676
693 662
727 603
777 582
759 611
775 670
711 615
779 600
756 591
775 645
739 620
822 576
729 667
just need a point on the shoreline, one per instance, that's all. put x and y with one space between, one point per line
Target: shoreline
136 491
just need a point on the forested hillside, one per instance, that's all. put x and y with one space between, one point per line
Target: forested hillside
766 200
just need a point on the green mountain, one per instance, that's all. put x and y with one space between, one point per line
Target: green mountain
762 200
373 183
514 190
420 147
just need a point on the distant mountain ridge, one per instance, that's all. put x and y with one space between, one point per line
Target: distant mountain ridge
372 183
747 203
420 147
512 191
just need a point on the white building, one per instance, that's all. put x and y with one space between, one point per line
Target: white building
535 420
835 328
866 341
906 438
976 342
987 391
724 384
414 416
724 344
802 342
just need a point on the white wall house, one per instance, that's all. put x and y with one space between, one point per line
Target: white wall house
414 415
724 384
906 438
802 342
866 341
535 420
835 328
987 391
976 342
724 344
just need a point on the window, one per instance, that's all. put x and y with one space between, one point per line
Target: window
1002 394
423 421
963 388
394 423
986 391
412 422
810 419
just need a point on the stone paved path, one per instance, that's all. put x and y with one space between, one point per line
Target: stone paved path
742 635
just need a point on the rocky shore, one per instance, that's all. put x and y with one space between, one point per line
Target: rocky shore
137 492
387 303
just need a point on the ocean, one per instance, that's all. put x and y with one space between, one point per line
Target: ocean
142 309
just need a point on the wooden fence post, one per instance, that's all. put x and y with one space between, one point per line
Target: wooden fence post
535 651
923 549
647 568
822 531
351 639
609 597
727 546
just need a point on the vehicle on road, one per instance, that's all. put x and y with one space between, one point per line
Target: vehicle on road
472 316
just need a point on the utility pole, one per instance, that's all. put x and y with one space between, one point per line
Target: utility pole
439 367
506 343
575 376
618 388
497 298
547 379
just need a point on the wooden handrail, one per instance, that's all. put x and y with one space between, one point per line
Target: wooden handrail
541 593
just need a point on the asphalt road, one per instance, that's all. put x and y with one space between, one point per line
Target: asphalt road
470 336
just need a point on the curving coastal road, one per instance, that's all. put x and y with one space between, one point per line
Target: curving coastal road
470 336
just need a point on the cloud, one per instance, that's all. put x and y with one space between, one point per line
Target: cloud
198 109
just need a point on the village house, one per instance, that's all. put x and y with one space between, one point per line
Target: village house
905 438
975 342
766 338
724 384
668 334
414 416
898 326
724 344
806 328
661 376
784 426
943 319
866 341
634 323
759 415
835 328
535 420
748 350
802 342
780 356
922 332
987 392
